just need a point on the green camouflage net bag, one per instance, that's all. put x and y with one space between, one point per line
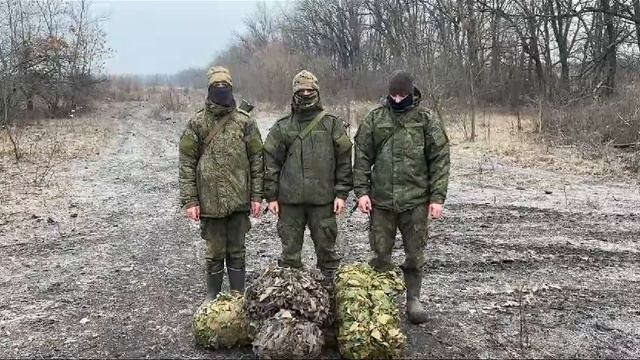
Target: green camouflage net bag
283 336
222 322
368 316
295 290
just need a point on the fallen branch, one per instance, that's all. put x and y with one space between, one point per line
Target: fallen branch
625 146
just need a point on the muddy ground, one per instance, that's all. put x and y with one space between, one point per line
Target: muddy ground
97 260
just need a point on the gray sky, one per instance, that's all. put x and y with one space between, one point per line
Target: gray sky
153 36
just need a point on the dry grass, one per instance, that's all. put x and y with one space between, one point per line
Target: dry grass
44 174
498 136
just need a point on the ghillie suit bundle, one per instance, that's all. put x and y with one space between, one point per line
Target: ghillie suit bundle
284 336
287 308
222 322
368 316
291 289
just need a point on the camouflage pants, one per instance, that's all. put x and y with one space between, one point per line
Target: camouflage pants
382 233
324 230
225 241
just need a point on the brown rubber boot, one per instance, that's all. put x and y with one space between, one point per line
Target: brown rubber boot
415 312
214 284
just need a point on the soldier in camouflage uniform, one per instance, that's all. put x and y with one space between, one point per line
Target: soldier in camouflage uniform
308 176
221 178
401 174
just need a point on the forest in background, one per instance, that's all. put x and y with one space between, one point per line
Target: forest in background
569 66
572 65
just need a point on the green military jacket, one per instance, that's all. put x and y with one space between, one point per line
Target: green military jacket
401 159
314 172
224 176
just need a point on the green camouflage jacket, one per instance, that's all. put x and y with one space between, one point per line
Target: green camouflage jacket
315 172
223 177
401 159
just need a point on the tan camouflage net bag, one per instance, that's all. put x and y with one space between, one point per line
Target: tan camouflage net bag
295 290
284 336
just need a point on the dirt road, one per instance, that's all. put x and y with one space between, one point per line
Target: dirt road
527 263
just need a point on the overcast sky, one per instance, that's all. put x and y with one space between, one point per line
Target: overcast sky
150 37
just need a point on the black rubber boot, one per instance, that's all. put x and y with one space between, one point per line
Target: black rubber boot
415 312
330 328
236 279
214 284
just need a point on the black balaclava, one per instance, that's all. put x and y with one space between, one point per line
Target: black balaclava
401 106
401 82
222 95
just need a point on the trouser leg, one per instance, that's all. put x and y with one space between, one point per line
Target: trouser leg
291 223
413 226
324 231
382 233
213 231
237 227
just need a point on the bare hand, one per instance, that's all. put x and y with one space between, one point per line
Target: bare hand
274 208
364 204
193 213
256 206
338 206
435 211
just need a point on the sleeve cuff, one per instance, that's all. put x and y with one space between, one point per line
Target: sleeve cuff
191 204
342 195
436 200
256 199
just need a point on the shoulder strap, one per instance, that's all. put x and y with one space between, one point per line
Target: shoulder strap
215 131
312 125
303 134
381 145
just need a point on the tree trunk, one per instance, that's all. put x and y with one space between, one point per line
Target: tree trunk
636 11
610 57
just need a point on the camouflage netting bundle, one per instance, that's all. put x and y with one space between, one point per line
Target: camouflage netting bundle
368 316
284 336
291 289
222 322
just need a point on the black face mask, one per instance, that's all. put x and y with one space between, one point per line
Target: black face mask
222 96
402 105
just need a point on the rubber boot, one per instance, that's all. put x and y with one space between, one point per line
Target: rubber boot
330 328
415 312
214 284
236 279
327 280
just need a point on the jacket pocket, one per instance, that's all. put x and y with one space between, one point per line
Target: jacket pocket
414 145
329 228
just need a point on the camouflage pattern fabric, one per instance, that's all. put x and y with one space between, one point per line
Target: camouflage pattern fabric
368 316
295 290
413 225
284 336
401 159
305 80
225 175
222 322
324 230
225 239
219 74
318 171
